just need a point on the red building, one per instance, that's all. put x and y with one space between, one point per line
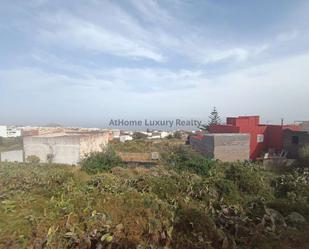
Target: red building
263 137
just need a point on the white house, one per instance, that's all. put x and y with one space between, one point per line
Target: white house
3 131
124 138
9 131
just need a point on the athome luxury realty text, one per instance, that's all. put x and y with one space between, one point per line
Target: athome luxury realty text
154 123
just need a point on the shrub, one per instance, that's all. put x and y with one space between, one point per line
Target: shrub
193 228
227 191
293 186
177 135
245 177
183 158
304 155
33 159
101 161
139 135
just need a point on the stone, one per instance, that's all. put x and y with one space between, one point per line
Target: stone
276 217
295 219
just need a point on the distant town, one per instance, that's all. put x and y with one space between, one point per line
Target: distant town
238 139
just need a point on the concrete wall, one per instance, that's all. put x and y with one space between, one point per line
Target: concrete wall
304 126
12 156
93 143
204 145
64 149
231 147
224 147
293 141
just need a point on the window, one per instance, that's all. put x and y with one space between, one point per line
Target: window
260 138
295 140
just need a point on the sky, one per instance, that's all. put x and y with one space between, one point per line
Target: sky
84 62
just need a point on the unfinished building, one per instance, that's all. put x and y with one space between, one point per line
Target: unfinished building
64 148
293 141
227 147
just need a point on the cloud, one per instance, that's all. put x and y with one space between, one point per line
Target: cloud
237 54
141 57
151 11
35 80
288 36
71 31
274 90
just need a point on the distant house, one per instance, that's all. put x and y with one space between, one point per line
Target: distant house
124 138
263 137
226 147
293 141
155 135
9 131
115 133
164 134
304 126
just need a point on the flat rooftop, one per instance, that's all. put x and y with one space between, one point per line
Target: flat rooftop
70 134
226 134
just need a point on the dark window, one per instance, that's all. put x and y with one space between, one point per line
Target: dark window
295 139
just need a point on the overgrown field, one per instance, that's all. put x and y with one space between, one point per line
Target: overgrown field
225 206
144 146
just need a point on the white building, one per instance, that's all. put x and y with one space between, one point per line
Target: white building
164 134
116 133
65 148
124 138
9 131
3 131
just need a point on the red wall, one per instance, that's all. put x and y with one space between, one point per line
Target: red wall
273 134
223 129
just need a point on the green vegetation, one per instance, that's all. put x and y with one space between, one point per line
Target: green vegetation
187 202
175 135
32 159
183 158
304 155
139 135
10 143
101 161
143 146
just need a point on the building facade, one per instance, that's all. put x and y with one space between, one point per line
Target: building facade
64 148
226 147
9 131
263 137
293 141
12 156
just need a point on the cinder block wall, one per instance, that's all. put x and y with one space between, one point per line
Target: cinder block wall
224 147
204 145
234 147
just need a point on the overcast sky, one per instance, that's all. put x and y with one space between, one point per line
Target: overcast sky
84 62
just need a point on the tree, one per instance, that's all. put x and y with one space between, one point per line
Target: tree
139 135
214 119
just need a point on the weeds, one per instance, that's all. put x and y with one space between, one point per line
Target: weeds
232 206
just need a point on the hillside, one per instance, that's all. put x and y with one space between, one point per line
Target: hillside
230 206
